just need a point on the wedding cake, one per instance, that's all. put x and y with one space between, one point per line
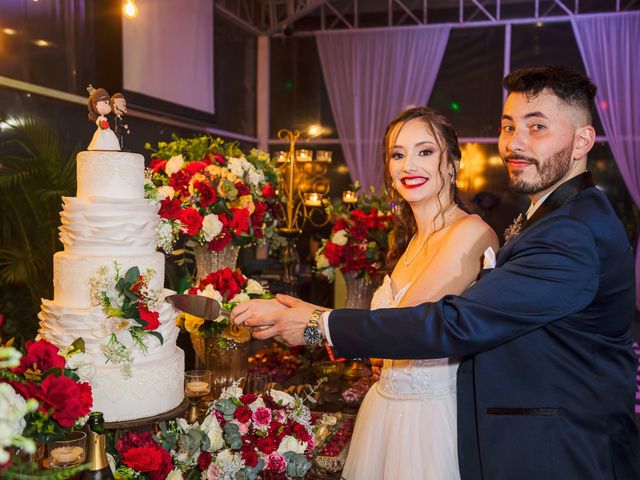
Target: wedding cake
110 227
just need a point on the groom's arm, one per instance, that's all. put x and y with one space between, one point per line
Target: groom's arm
551 274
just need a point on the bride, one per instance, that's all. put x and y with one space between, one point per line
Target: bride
406 425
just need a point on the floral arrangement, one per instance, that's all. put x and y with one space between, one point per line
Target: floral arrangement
359 238
229 288
212 193
130 307
243 436
281 363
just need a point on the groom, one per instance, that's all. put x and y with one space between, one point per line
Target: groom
546 384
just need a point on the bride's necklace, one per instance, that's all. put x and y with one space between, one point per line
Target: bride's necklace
407 261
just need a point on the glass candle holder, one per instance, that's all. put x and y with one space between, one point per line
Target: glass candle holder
68 452
349 196
313 199
304 155
197 385
280 157
323 156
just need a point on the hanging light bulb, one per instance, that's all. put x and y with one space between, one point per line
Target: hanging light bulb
129 8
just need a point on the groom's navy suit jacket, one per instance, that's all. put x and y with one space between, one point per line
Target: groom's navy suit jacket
546 386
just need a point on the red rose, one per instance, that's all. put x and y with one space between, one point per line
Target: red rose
242 414
250 458
158 165
165 467
220 242
217 159
135 439
180 180
143 459
268 191
150 317
266 445
248 398
69 399
104 124
204 460
194 167
191 220
41 355
207 193
170 208
242 189
239 223
225 281
334 253
301 432
341 224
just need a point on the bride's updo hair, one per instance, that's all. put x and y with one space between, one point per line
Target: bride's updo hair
404 223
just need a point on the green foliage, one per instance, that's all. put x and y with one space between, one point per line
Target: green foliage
31 470
35 172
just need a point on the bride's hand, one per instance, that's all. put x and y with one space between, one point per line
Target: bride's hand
255 308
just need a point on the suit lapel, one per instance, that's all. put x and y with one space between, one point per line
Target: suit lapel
559 197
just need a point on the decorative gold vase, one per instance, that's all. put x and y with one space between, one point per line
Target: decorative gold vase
227 364
208 261
359 294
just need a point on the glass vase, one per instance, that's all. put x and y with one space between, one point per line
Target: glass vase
359 294
208 261
227 364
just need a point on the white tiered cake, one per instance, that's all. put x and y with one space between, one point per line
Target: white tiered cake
111 221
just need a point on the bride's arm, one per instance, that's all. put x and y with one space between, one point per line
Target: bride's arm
456 265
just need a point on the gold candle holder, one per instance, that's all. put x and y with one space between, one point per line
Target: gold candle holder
313 199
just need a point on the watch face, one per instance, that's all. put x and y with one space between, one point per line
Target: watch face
312 336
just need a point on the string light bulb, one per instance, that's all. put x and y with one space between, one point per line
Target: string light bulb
129 8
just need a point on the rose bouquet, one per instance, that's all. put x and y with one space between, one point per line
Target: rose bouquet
359 238
130 307
229 288
212 193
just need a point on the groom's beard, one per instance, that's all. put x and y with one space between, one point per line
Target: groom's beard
549 172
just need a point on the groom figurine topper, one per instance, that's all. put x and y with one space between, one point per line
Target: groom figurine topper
546 385
119 110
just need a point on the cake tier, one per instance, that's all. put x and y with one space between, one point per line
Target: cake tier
110 174
155 387
108 226
72 274
63 325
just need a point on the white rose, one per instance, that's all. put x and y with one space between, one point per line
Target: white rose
225 457
166 191
235 166
13 408
240 298
322 261
234 391
175 474
290 444
211 292
257 403
84 366
254 288
211 428
278 395
174 165
211 226
340 238
256 177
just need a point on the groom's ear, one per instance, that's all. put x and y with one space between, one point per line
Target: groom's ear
583 141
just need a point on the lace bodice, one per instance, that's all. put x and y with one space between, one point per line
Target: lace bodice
421 379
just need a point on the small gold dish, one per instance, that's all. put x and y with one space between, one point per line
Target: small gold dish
327 368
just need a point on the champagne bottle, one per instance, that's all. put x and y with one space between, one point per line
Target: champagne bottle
96 450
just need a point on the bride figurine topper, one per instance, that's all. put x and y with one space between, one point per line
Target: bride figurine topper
98 105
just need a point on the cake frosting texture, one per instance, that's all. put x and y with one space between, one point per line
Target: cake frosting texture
110 223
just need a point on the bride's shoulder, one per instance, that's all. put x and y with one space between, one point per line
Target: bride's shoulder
471 230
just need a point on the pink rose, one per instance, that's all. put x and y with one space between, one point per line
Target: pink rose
262 416
276 463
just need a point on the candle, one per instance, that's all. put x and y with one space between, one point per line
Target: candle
323 156
349 196
197 388
280 157
66 455
304 155
313 199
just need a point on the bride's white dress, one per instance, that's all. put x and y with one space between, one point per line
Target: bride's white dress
406 425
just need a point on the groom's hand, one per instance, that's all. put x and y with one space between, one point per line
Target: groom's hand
255 308
287 324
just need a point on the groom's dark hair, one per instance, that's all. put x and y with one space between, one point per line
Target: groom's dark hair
574 88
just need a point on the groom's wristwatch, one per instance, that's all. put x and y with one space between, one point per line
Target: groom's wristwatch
312 334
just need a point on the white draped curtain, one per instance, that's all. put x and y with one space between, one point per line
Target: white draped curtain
371 76
609 47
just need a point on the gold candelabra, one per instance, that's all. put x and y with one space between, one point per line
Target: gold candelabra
302 193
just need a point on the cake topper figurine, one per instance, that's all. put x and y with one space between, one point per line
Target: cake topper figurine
119 109
98 105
